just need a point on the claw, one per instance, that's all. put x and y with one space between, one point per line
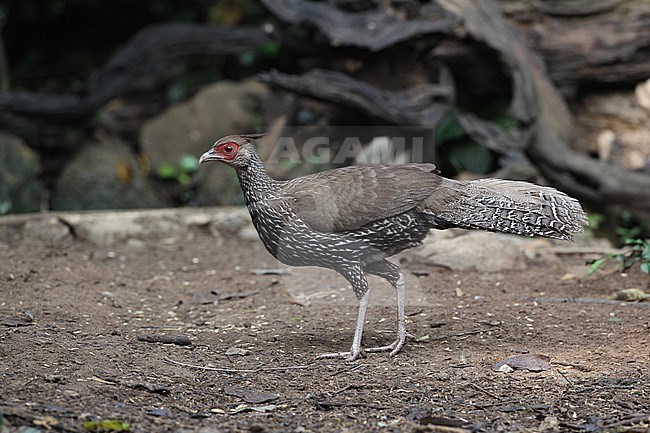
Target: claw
394 347
348 356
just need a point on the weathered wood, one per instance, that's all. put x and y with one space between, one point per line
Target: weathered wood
550 148
600 51
373 29
545 125
576 7
423 105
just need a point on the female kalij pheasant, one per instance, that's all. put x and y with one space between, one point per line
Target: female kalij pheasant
350 219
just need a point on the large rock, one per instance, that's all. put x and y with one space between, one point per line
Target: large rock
129 227
132 228
217 184
20 187
224 108
480 251
227 107
104 175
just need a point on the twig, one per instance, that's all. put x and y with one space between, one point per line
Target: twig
462 334
415 313
328 404
348 387
156 389
573 365
498 403
347 369
565 378
485 391
586 301
180 340
235 370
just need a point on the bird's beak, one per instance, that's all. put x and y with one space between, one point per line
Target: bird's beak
208 156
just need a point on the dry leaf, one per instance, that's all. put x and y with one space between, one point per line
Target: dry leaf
249 395
236 351
630 295
205 298
25 320
530 362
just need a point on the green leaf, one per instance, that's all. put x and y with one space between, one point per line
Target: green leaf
5 206
595 264
166 172
471 157
595 220
645 254
270 49
645 267
498 111
448 129
183 178
188 163
106 425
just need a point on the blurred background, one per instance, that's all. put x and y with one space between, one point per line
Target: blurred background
108 105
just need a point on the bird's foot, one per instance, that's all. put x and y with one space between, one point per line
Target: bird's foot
352 355
394 347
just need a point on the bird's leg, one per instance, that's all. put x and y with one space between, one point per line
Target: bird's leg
396 346
355 351
359 283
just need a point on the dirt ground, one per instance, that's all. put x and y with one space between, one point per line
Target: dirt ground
80 325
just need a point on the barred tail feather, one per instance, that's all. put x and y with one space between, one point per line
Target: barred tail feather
506 206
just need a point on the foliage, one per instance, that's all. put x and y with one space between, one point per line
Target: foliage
181 173
106 425
448 130
472 157
631 228
498 111
595 220
5 206
635 251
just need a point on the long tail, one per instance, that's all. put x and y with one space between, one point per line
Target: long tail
505 206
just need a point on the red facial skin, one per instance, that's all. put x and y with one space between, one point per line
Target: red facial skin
227 151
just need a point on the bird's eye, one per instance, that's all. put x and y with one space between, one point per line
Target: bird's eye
228 149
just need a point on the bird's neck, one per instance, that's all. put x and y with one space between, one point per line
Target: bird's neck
255 182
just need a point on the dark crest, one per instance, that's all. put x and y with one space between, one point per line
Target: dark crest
253 136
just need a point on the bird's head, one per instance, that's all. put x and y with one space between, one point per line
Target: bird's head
234 150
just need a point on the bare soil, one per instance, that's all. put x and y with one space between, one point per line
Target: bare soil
78 323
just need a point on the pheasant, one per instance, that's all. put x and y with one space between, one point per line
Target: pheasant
351 219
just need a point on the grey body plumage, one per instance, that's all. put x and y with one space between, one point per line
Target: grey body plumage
351 219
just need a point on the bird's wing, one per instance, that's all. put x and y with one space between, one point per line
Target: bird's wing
351 197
